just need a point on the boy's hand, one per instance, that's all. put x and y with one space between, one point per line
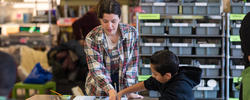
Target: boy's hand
134 96
112 95
119 95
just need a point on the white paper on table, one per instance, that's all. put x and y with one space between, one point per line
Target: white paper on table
94 98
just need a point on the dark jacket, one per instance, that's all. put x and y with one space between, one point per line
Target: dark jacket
179 87
245 38
83 25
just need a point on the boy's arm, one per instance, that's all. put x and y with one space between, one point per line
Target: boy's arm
134 88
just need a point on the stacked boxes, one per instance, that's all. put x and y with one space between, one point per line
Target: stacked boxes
192 30
240 7
207 89
201 8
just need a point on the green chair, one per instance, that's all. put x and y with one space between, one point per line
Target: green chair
41 88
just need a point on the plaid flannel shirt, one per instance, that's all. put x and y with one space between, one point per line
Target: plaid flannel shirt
98 81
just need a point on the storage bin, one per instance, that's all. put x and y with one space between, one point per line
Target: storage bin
236 71
208 92
145 71
180 30
181 50
161 8
236 92
235 49
146 50
208 30
152 29
235 31
240 8
157 48
201 9
207 51
208 1
236 52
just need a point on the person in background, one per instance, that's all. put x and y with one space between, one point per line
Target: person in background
7 75
172 82
83 25
245 43
112 53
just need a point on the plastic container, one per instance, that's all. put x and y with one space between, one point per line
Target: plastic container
180 30
207 50
152 29
181 50
240 8
208 30
162 8
201 9
146 50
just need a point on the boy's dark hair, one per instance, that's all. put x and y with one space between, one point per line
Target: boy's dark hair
7 73
109 7
165 61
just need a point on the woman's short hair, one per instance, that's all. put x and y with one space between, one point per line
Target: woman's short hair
109 7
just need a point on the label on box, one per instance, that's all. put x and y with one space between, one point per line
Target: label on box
147 65
238 46
238 25
237 16
240 67
235 38
180 24
208 25
215 17
207 66
149 16
247 4
207 45
200 4
205 88
152 44
152 24
159 4
179 44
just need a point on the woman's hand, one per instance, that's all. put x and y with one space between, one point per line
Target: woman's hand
134 96
112 95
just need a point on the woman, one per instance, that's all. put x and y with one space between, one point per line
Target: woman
112 53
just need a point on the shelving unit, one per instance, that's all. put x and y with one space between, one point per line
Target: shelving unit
234 55
194 32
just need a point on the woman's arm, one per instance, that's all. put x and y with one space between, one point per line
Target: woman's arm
96 65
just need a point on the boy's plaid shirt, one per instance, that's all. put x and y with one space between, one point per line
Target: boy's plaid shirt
98 81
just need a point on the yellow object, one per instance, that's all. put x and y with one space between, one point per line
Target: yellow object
56 92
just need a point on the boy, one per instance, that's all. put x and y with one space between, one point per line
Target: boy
172 82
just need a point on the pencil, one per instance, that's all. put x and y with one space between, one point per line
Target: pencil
56 92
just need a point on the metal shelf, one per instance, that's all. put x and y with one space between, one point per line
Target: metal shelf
191 36
189 56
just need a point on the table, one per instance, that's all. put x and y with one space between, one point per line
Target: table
56 97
